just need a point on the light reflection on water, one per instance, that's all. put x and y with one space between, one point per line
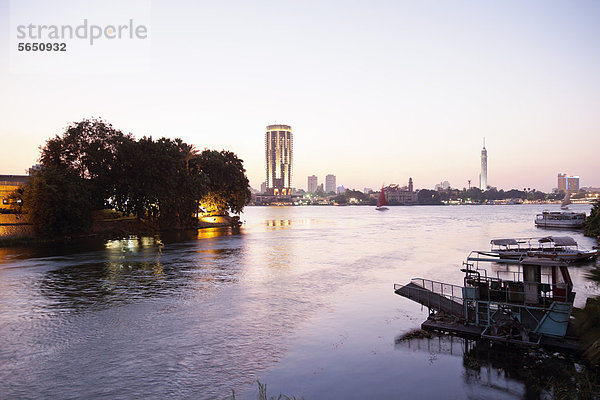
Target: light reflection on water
298 297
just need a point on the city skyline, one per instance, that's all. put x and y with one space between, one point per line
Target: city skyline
374 92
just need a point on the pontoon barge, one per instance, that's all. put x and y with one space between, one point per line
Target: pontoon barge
531 303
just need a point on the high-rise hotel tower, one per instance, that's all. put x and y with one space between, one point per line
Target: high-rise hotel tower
483 176
279 149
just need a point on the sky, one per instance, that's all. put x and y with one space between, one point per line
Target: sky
376 92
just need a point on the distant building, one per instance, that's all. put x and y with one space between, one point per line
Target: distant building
34 168
313 183
8 184
367 190
591 189
567 183
396 194
279 154
483 177
442 186
263 188
330 185
341 189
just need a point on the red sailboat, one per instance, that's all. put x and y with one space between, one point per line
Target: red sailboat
382 202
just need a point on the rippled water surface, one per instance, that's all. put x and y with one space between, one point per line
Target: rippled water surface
299 297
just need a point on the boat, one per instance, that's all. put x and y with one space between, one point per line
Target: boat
528 303
381 202
560 219
558 247
566 201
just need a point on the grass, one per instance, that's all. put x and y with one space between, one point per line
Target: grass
262 394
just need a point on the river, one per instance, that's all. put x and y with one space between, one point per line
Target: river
300 298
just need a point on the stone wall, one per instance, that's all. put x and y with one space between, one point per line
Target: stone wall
13 226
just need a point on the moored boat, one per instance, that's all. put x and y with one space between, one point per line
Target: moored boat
560 219
529 303
558 247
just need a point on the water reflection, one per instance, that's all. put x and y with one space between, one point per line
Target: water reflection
133 243
209 233
285 223
506 371
104 284
278 223
135 268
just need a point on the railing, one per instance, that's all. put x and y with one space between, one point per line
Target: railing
513 291
445 289
434 295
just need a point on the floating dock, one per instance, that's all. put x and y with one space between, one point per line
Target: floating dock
448 314
569 344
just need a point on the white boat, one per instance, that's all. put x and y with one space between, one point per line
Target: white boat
560 219
557 247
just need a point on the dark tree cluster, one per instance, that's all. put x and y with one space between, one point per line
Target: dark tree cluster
476 195
358 196
94 166
591 226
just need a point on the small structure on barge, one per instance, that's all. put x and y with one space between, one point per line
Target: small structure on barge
557 247
529 303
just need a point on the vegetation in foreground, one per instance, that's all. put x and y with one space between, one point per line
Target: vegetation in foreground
93 166
591 226
262 394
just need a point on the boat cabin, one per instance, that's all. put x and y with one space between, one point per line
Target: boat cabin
537 295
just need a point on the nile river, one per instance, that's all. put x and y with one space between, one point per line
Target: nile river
300 298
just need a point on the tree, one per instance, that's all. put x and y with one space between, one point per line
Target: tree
161 180
59 202
319 193
227 187
474 194
516 194
188 151
88 148
154 180
591 226
431 197
587 321
340 198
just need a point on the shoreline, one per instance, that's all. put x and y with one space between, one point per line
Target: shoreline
22 234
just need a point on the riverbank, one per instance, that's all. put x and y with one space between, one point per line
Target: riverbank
16 229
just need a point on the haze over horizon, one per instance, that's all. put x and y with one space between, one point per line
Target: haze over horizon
375 93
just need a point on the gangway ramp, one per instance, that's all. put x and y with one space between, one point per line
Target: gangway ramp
434 295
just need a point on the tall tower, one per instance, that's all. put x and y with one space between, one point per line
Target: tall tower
330 185
483 176
279 149
313 183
